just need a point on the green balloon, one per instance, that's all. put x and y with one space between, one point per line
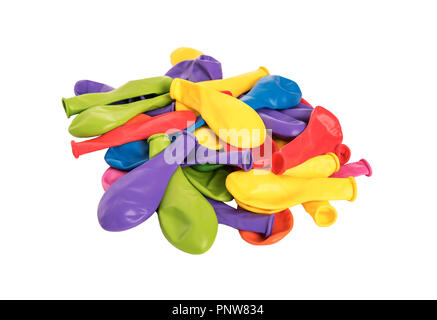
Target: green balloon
160 141
207 167
210 183
187 219
132 89
101 119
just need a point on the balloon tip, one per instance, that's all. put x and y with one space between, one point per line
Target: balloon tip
369 168
265 70
65 106
74 149
325 216
354 188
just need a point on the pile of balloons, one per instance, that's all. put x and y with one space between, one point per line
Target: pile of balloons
185 143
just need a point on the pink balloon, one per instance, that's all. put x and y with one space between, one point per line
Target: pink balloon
110 176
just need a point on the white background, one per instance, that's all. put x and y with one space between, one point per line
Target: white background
372 63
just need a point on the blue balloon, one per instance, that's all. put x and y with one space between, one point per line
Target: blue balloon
273 92
128 156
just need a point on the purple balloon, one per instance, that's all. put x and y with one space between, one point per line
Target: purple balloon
243 220
300 112
88 86
133 198
157 112
201 155
282 125
202 68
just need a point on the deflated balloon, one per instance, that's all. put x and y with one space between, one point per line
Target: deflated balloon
323 134
128 156
140 130
243 220
262 189
110 176
89 86
273 92
236 86
101 119
300 112
239 84
210 183
323 214
317 167
354 169
130 201
282 126
201 155
187 219
201 68
145 87
244 129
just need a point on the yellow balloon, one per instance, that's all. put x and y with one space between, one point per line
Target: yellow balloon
231 119
182 54
206 137
262 189
317 167
322 212
239 84
236 85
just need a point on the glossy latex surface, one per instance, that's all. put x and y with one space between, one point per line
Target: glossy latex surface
202 68
129 201
323 134
274 92
210 183
139 130
248 128
271 193
101 119
186 218
144 87
243 220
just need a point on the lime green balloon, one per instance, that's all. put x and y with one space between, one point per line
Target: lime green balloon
132 89
207 167
187 219
157 143
101 119
210 183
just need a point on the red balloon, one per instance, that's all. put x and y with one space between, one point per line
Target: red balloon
136 129
323 134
